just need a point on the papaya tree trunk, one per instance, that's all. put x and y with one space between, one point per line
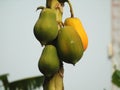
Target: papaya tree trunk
56 81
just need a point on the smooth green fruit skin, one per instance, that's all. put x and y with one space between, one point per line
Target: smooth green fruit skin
46 27
49 62
69 45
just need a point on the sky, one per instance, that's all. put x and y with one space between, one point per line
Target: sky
20 51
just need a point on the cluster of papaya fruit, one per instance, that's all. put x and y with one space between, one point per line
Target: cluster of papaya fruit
67 43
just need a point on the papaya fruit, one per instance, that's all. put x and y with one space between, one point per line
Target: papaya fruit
69 45
76 23
46 27
49 61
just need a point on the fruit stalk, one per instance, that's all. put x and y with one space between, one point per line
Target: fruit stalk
71 9
55 82
58 7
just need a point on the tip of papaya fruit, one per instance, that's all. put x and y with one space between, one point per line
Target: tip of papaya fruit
73 63
42 43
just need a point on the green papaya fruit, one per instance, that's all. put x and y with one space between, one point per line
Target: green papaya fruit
69 45
46 27
49 62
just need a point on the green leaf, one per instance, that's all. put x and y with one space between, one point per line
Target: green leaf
4 80
116 78
27 83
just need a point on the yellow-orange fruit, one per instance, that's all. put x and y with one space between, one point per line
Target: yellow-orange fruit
76 23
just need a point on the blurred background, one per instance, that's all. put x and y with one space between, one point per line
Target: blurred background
20 51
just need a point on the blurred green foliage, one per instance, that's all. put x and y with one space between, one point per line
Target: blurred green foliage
24 84
116 78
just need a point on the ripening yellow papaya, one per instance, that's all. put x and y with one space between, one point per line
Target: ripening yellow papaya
69 45
76 23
